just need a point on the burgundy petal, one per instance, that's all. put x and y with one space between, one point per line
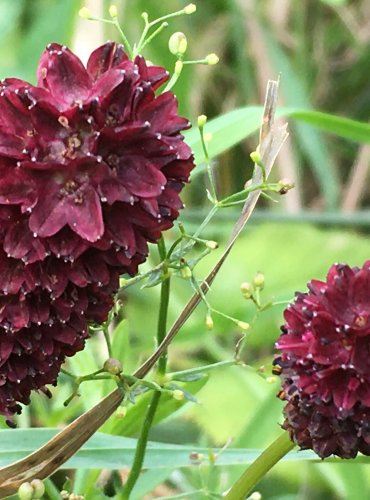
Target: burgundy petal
84 217
104 58
63 74
140 178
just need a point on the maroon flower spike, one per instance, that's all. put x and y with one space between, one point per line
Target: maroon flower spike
92 162
325 364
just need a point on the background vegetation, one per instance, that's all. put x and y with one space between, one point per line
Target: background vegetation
321 50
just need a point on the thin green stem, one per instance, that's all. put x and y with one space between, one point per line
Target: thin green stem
175 76
240 196
115 23
197 61
180 375
138 278
125 41
137 47
140 448
163 310
206 221
161 370
209 167
143 40
154 34
51 490
259 468
174 245
107 340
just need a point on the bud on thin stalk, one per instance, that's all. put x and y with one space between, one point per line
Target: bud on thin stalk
202 120
209 322
212 59
178 43
259 281
186 272
212 245
113 12
190 9
247 290
113 366
256 157
85 13
243 325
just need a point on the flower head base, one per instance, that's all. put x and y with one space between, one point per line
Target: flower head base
325 364
92 162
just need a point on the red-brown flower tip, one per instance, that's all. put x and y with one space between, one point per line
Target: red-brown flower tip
325 364
92 162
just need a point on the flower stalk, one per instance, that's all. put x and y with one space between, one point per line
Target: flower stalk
260 467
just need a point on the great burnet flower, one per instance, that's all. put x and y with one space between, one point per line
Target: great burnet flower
324 360
92 162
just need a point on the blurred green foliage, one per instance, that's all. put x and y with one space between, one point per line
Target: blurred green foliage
322 50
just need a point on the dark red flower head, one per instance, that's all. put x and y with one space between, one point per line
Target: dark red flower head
92 162
325 364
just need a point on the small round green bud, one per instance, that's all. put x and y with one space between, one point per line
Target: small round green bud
186 272
178 43
113 366
202 120
247 290
285 185
113 12
25 491
212 245
209 322
178 395
256 157
178 67
212 59
190 9
259 280
38 488
243 325
85 13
